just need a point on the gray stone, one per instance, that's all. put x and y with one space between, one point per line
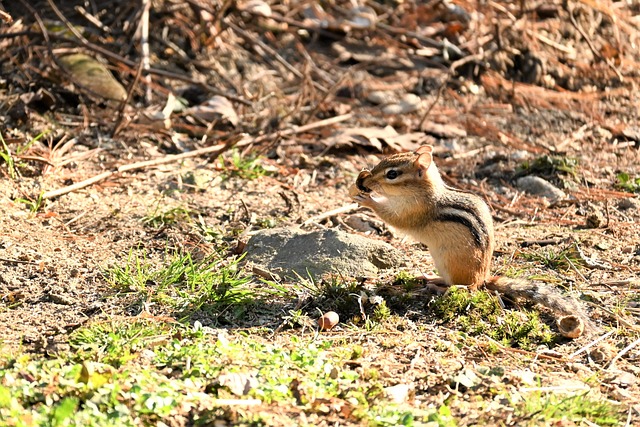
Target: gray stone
408 104
291 252
628 204
539 187
380 97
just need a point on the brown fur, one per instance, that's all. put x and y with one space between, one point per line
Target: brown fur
456 226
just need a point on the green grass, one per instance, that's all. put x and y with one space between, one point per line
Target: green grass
183 283
551 167
406 281
478 313
541 408
141 372
628 183
355 305
158 218
13 168
5 154
33 205
248 166
556 258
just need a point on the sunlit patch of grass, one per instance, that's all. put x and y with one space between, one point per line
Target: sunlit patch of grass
626 182
182 282
116 343
555 258
140 372
478 313
406 280
158 218
248 166
551 166
542 408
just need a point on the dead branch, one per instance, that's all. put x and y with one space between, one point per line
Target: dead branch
342 209
216 150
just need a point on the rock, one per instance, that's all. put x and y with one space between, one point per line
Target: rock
364 223
628 204
295 253
380 97
408 104
398 393
540 187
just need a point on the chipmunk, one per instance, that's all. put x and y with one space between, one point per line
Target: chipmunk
408 193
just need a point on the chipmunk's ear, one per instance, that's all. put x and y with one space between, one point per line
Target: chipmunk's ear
425 149
424 159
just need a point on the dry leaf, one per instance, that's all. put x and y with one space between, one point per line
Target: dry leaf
365 137
238 383
443 130
409 141
361 17
215 108
257 7
93 75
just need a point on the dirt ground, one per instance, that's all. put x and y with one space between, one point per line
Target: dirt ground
546 91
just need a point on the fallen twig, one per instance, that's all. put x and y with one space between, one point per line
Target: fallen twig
5 17
120 122
144 45
270 51
216 150
304 128
623 352
591 344
329 214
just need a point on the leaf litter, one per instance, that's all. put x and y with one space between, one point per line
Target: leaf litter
492 86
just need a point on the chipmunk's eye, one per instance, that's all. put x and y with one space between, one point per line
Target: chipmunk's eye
392 174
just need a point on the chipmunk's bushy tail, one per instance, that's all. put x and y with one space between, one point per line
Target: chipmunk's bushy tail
571 317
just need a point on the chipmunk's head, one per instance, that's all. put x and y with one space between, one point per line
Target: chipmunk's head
401 174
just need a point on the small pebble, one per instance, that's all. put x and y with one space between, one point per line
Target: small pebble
628 203
381 97
540 187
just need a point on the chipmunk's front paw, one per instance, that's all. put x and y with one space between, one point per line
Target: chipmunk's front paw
359 196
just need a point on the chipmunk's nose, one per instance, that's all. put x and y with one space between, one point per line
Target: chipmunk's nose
360 181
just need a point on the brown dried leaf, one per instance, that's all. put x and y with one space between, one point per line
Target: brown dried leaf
93 75
257 7
364 137
215 108
238 383
443 130
409 141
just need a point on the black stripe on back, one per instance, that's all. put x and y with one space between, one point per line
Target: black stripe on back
473 215
472 226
